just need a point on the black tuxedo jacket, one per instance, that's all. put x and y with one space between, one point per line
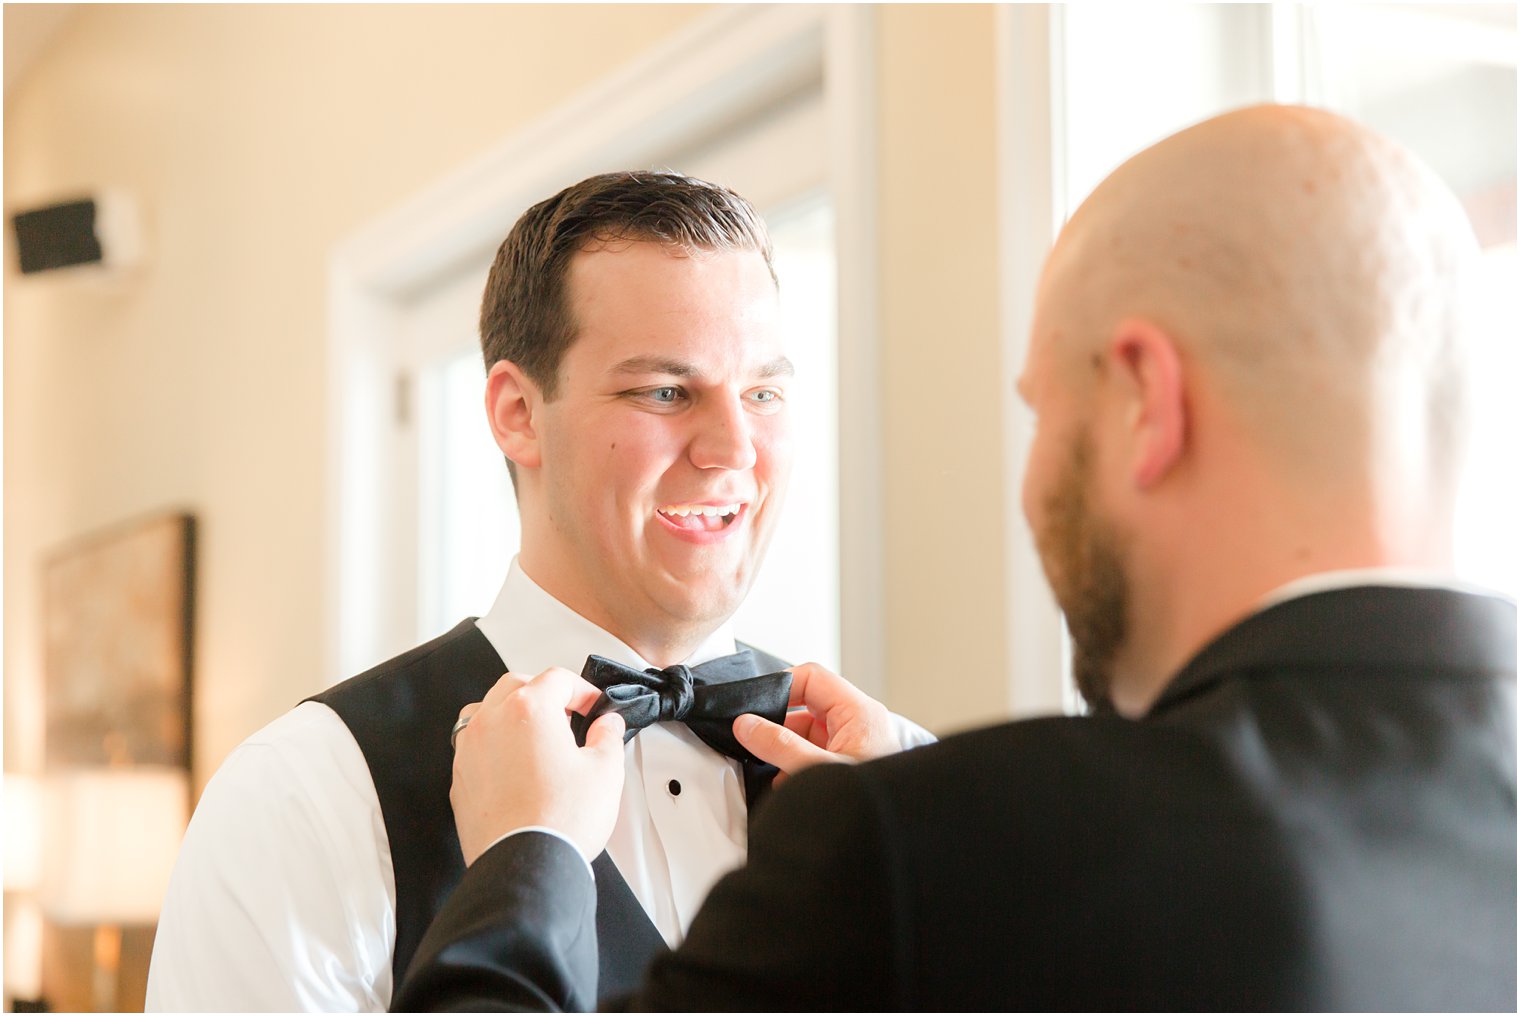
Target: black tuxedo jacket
1319 813
401 713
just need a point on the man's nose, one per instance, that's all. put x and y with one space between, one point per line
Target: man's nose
723 438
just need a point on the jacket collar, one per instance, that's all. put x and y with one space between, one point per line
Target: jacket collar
1367 626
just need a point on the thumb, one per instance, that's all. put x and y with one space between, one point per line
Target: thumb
773 743
605 737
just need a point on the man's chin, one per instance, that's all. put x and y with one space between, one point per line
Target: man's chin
701 605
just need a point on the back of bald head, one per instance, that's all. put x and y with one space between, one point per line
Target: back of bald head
1310 270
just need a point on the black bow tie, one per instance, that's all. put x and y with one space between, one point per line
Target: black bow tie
707 698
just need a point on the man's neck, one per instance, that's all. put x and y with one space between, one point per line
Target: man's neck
657 645
1203 591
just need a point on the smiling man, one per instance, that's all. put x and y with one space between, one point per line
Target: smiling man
638 389
665 434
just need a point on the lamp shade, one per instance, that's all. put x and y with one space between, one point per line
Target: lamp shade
110 838
23 832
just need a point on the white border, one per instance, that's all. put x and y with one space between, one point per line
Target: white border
688 89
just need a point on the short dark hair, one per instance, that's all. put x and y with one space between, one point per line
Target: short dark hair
524 316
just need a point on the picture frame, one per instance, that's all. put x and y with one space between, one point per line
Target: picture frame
118 610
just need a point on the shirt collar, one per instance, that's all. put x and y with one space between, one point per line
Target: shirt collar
1410 578
532 631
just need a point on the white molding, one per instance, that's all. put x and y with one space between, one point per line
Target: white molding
358 321
1030 186
850 94
690 88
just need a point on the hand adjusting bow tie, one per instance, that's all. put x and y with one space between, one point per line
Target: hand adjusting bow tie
707 698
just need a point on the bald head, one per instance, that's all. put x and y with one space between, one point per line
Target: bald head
1247 365
1307 269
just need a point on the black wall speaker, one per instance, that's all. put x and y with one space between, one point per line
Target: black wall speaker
88 231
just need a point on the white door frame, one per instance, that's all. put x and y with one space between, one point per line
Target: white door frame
701 81
1031 176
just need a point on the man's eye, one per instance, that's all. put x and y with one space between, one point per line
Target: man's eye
666 395
765 395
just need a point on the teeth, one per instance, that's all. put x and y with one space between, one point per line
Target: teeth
707 510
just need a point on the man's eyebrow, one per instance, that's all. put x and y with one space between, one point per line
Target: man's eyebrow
779 367
654 365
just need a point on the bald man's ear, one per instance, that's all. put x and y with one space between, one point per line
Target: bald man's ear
1145 362
512 401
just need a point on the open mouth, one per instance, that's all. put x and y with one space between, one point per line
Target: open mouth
701 518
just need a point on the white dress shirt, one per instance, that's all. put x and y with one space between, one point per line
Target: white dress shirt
284 898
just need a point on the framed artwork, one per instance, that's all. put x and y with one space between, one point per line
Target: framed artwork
118 611
117 649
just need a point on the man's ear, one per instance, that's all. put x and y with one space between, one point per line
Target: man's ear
1146 364
512 401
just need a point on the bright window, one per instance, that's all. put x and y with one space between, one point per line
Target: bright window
1441 81
793 609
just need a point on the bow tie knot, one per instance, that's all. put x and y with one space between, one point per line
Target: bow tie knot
677 692
707 698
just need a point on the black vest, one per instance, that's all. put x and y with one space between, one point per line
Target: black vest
401 713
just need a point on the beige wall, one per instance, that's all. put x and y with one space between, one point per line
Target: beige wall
256 138
942 385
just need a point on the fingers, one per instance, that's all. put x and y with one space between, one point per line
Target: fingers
464 720
821 689
555 685
583 695
799 721
555 690
805 725
504 686
606 735
782 748
566 691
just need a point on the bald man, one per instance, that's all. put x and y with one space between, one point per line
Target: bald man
1296 788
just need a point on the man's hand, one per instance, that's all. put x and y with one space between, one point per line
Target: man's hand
517 764
839 723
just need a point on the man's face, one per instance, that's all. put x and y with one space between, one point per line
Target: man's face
666 451
1082 552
